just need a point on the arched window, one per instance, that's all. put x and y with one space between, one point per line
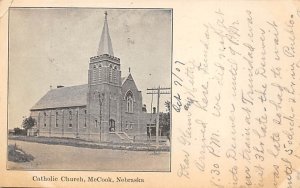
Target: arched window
110 73
115 74
131 125
100 72
62 118
45 116
84 118
129 102
56 119
94 73
70 118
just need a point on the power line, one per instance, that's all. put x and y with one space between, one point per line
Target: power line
158 92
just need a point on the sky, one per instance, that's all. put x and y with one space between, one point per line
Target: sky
52 46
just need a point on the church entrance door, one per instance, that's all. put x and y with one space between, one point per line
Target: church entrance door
112 125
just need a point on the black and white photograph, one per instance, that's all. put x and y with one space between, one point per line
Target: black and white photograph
89 89
146 94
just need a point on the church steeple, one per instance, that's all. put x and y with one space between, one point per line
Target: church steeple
105 67
105 46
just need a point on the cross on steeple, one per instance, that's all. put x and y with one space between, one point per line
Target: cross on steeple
105 13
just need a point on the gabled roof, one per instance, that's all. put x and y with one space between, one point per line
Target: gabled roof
63 97
129 77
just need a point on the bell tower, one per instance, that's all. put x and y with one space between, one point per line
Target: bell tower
104 89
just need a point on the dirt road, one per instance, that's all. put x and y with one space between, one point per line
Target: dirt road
59 157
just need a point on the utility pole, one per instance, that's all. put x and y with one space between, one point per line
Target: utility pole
101 99
158 91
63 123
50 123
109 113
157 117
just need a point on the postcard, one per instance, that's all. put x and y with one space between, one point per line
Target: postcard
150 94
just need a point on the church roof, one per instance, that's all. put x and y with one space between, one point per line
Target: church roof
128 77
63 97
123 79
105 46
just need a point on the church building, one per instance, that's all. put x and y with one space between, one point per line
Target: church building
108 108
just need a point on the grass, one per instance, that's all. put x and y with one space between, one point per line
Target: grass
88 144
16 154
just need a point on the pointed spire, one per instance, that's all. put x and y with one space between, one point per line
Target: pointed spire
105 46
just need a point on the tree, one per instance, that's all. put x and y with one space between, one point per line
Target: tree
168 106
164 120
28 123
18 131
